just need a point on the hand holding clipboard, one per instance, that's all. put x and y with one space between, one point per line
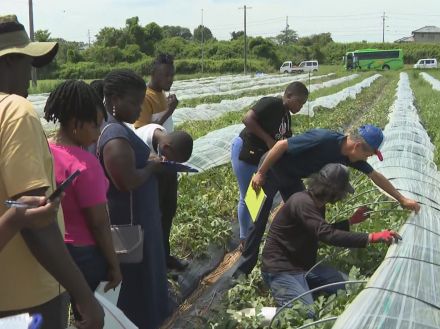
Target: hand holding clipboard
254 201
177 166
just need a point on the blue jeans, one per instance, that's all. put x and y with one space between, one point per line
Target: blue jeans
92 264
243 171
286 286
276 181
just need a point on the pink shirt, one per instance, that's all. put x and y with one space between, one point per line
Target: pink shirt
87 190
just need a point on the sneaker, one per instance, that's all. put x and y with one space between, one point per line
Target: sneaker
176 264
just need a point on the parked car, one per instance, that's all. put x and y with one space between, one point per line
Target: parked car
305 66
426 63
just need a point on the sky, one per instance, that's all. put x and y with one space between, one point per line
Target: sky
346 20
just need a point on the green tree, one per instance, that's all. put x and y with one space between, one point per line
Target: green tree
320 39
74 56
287 36
136 34
176 46
207 34
42 35
132 53
64 47
106 55
170 31
153 34
263 48
236 35
111 37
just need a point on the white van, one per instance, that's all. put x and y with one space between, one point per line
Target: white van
305 66
426 63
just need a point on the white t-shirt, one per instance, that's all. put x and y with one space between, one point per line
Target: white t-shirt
146 134
168 124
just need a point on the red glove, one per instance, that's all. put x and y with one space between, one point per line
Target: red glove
359 215
385 236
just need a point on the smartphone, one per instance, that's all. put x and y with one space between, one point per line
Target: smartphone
60 189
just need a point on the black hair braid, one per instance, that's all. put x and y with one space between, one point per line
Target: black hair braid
122 81
73 99
98 86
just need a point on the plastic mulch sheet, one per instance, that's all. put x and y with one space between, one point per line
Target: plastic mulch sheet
239 86
214 148
404 291
331 101
432 81
210 111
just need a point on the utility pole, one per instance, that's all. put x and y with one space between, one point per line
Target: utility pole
383 27
203 41
287 27
88 34
31 35
245 38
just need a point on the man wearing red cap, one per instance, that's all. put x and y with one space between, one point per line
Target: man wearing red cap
35 263
295 158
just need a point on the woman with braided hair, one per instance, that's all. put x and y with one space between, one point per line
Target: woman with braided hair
133 197
80 112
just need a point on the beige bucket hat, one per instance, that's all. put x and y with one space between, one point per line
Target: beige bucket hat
14 40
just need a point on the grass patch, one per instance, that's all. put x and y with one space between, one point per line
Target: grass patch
427 102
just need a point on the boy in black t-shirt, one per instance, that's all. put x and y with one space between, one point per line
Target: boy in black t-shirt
292 243
267 122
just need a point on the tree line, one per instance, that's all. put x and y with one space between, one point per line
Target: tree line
134 46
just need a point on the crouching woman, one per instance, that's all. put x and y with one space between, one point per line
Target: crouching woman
292 243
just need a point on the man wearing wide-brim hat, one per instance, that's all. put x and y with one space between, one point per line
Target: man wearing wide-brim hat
35 265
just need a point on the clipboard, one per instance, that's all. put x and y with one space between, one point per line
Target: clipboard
254 201
178 167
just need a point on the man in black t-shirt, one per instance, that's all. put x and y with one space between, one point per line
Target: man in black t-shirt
297 157
292 243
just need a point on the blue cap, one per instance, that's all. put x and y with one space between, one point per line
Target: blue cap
373 136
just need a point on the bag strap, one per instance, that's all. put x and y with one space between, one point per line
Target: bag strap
131 194
99 139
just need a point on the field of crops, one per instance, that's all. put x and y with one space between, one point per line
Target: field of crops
205 227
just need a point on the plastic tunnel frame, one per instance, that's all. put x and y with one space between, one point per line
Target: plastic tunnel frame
403 292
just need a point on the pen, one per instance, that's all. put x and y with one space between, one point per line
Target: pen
17 204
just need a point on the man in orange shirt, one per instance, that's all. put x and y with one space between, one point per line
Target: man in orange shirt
158 109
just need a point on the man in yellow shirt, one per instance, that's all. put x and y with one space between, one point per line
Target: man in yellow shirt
158 109
35 264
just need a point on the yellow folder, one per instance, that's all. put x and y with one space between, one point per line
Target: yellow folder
254 201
